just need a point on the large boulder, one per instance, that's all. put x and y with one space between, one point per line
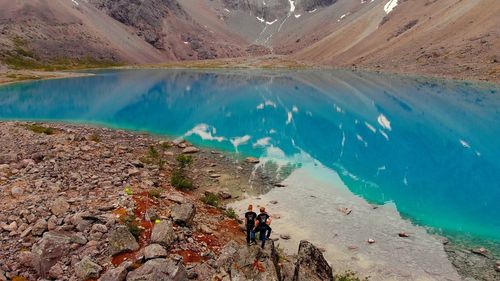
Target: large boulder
249 263
121 240
183 214
159 269
311 265
163 233
115 274
154 251
49 250
86 269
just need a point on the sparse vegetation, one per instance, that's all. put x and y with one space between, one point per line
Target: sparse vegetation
281 253
349 276
165 145
153 157
154 193
21 57
211 199
132 224
184 160
95 138
231 213
40 129
180 181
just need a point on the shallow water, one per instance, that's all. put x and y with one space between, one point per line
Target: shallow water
429 146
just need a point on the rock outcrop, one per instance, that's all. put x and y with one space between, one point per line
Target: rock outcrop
311 265
121 240
159 269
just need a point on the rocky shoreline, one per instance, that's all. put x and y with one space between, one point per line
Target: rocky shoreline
89 203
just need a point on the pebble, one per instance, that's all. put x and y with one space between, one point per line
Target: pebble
371 241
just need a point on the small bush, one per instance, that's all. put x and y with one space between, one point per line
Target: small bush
155 193
349 276
165 145
231 213
281 253
153 153
180 181
153 157
133 225
95 138
40 129
211 199
184 160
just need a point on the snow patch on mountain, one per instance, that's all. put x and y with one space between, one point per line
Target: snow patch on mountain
390 6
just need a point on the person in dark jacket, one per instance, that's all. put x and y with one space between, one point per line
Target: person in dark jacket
262 225
250 217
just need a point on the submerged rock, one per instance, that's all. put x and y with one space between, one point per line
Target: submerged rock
121 240
311 265
252 160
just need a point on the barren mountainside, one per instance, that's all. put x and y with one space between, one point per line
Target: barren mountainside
439 37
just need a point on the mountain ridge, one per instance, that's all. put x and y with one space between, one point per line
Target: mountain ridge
450 37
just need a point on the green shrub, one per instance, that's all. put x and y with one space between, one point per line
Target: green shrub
40 129
154 193
184 160
165 145
281 253
231 213
95 138
349 276
180 181
133 225
153 157
211 199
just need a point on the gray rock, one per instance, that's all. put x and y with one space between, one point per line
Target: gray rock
154 251
59 207
159 269
9 227
183 214
121 240
163 233
99 228
252 160
49 250
78 238
285 236
115 274
56 272
190 150
87 269
40 227
16 191
311 265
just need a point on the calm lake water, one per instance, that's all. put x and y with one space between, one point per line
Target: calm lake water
432 147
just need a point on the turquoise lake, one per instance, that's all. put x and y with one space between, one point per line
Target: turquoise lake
432 147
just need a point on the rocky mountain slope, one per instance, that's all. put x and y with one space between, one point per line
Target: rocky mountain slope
83 203
439 37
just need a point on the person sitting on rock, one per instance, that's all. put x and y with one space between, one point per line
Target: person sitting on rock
250 217
263 226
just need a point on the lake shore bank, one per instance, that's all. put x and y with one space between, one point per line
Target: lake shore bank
103 174
9 76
